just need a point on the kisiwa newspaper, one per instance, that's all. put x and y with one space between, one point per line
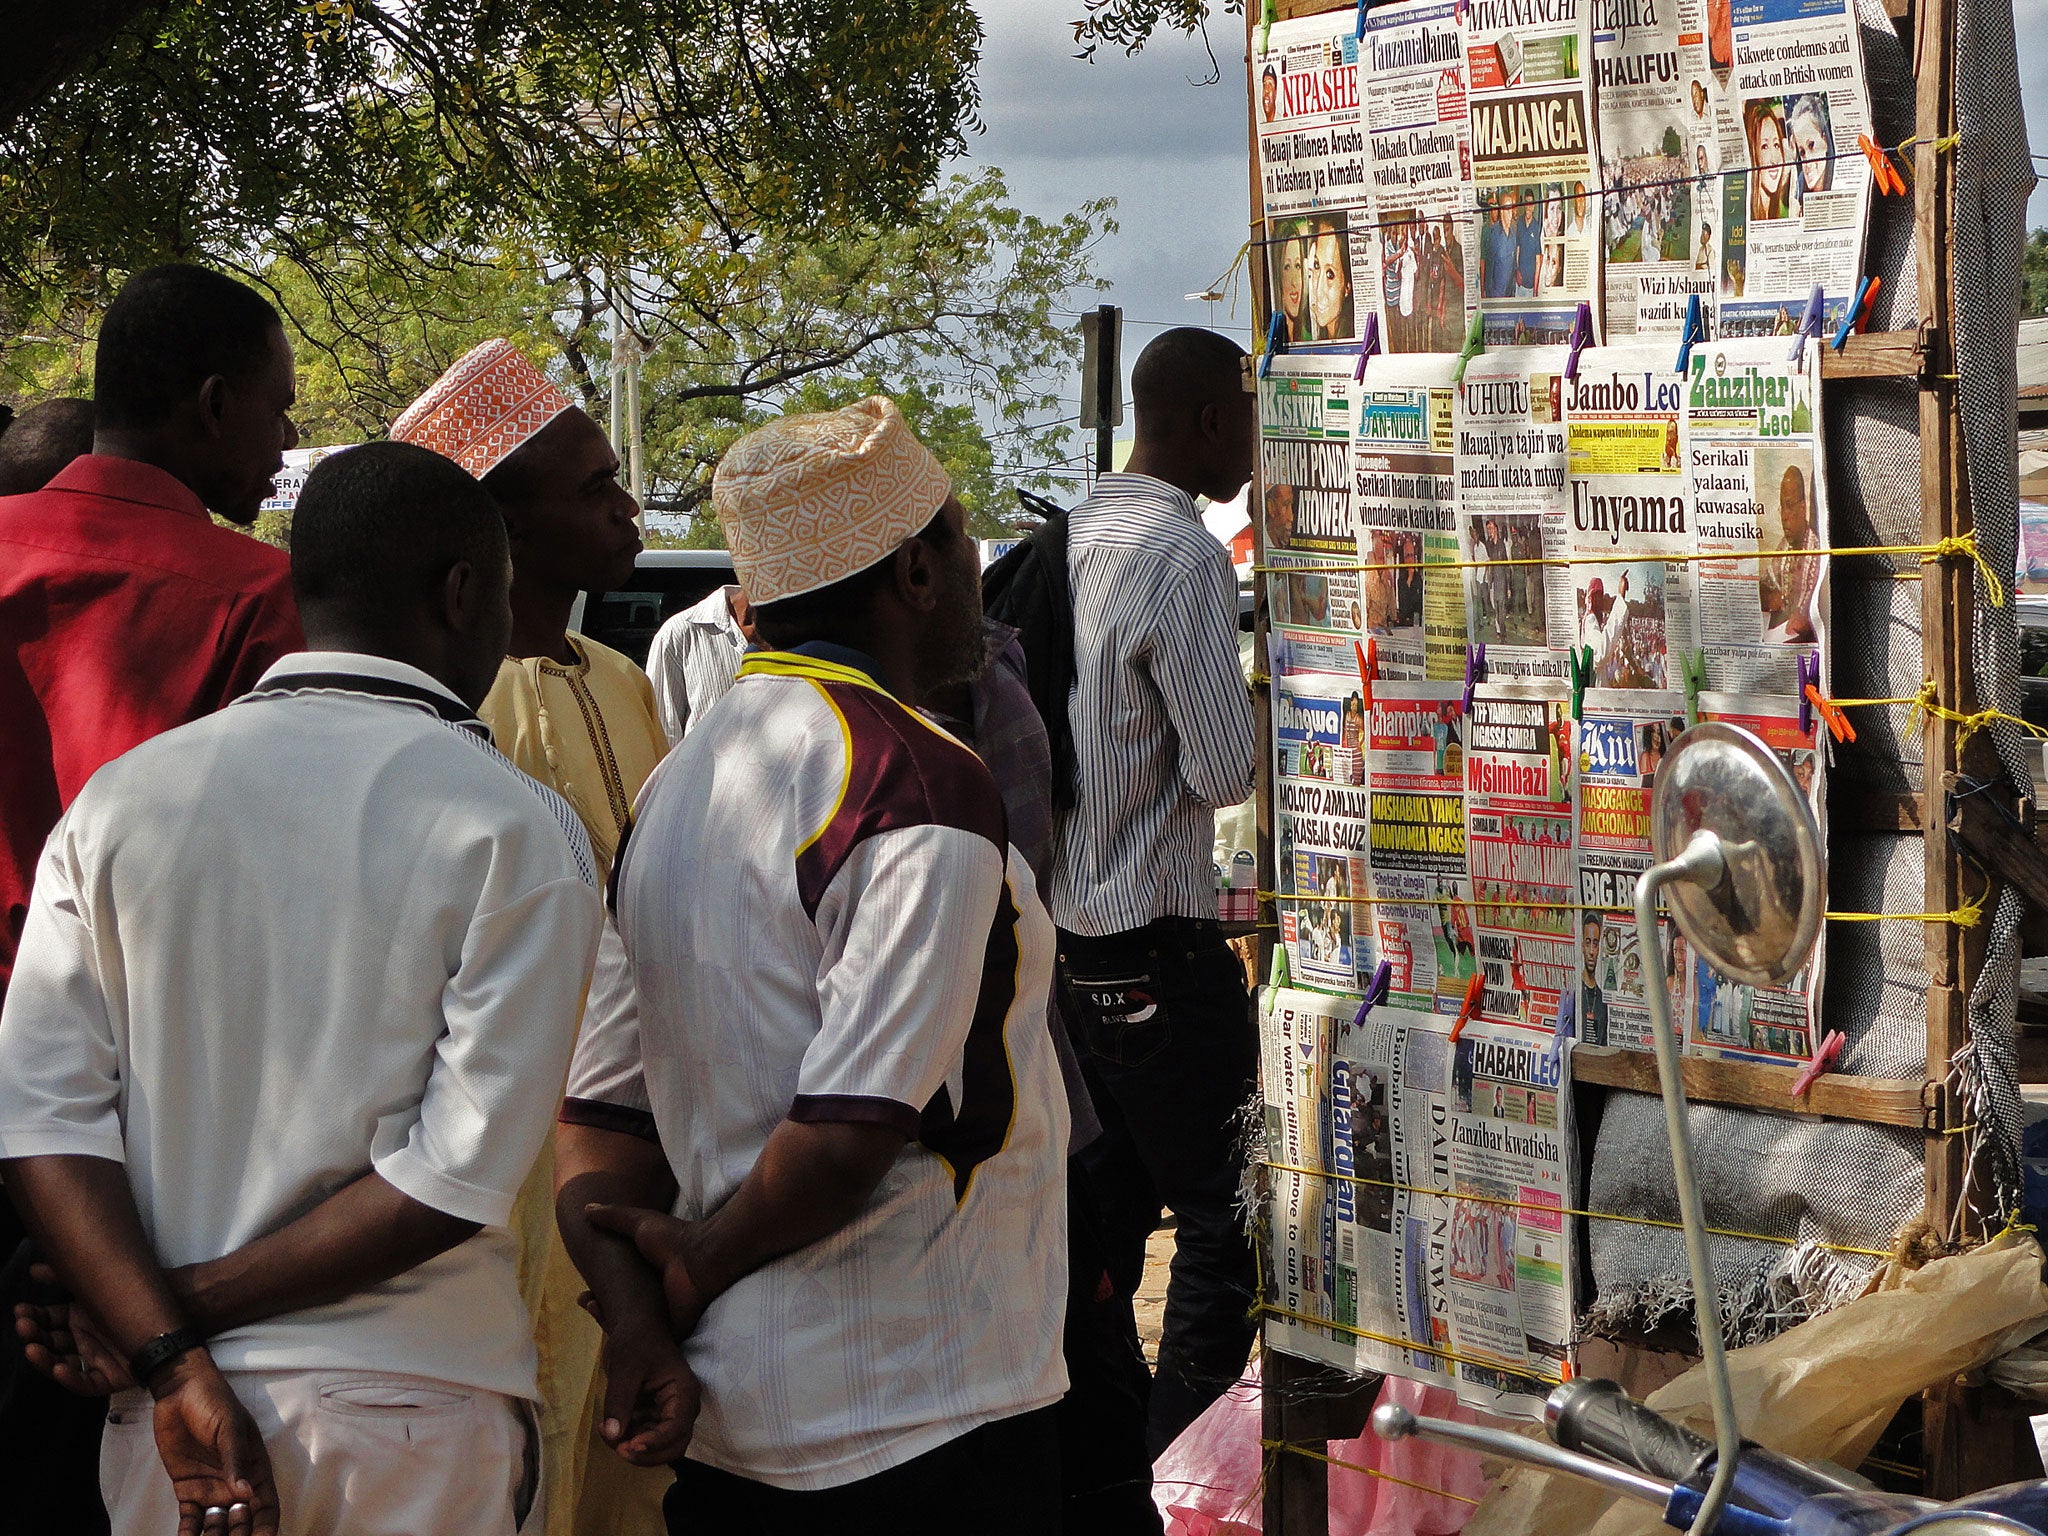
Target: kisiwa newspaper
1415 843
1312 175
1794 101
1534 166
1420 268
1514 511
1659 154
1404 499
1308 531
1622 739
1429 1238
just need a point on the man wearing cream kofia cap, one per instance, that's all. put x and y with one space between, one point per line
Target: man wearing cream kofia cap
823 1048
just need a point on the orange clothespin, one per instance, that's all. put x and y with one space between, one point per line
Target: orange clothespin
1368 668
1869 305
1471 1005
1825 1055
1881 169
1831 714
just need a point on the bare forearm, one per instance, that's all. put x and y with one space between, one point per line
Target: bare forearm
358 1237
81 1213
597 1167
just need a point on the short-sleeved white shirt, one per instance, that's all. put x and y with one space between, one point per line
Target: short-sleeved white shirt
823 921
324 931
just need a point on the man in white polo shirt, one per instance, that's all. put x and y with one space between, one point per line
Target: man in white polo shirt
294 1001
839 1078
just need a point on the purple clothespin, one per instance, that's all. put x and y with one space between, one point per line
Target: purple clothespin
1566 1026
1695 332
1580 338
1475 671
1370 342
1273 344
1809 324
1809 675
1376 993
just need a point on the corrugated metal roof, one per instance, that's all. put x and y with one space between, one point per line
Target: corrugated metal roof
2034 356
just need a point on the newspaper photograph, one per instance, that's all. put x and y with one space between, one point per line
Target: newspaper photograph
1727 1018
1320 803
1630 607
1419 266
1622 740
1658 156
1465 1259
1795 102
1753 457
1421 912
1312 174
1299 1104
1534 167
1513 511
1404 500
1518 849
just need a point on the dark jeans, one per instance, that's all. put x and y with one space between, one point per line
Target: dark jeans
1001 1479
1170 1049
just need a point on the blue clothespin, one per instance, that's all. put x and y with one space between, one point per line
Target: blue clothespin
1564 1027
1580 658
1849 315
1370 342
1359 35
1273 344
1475 343
1475 671
1580 338
1376 991
1809 676
1695 665
1695 332
1809 324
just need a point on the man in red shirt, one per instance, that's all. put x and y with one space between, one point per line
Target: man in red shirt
124 610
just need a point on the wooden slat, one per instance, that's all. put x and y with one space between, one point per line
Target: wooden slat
1873 1100
1863 812
1876 355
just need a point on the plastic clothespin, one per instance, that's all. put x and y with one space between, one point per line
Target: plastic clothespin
1694 664
1564 1027
1470 1006
1376 991
1809 689
1475 673
1274 343
1825 1055
1370 342
1695 332
1810 324
1363 7
1580 658
1276 978
1475 343
1830 713
1867 306
1268 14
1580 338
1368 669
1849 315
1881 171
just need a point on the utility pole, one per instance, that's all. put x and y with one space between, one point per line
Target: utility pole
1102 379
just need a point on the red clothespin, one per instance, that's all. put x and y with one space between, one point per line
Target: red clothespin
1515 974
1881 171
1831 714
1368 669
1824 1058
1868 306
1471 1004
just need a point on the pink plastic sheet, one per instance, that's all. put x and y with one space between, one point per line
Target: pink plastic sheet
1207 1482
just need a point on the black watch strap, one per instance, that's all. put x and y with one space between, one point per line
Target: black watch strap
160 1352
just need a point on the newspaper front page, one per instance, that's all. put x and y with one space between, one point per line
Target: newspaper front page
1404 494
1421 891
1299 1109
1320 826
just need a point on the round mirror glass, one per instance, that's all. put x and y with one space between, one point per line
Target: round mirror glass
1757 923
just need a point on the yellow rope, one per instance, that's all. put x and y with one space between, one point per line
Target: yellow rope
1566 1210
1291 1449
1272 1309
1968 915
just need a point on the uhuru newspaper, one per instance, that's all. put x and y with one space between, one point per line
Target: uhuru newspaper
1319 723
1513 512
1622 741
1659 154
1421 898
1631 535
1403 496
1753 457
1310 1282
1728 1018
1312 176
1518 847
1796 103
1534 166
1464 1253
1420 269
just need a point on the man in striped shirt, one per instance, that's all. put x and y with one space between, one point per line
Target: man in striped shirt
1163 738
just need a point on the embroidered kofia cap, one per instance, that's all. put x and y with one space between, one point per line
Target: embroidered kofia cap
483 408
810 500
